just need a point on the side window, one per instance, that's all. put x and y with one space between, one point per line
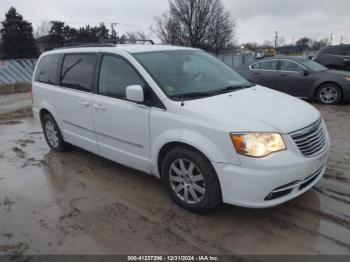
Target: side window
269 65
78 71
290 66
115 76
256 66
47 69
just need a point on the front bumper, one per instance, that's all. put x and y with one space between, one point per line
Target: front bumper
262 183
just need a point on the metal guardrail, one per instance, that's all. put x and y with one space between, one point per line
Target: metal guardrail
16 71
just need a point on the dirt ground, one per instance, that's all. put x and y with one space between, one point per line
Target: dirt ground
79 203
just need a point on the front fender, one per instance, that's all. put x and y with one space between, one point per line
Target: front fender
214 151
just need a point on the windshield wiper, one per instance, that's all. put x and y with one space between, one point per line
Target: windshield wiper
231 88
191 95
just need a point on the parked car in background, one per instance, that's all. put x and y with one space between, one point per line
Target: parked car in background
299 77
265 52
185 117
259 54
334 57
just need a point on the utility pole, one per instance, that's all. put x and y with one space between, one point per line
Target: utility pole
113 32
331 39
341 39
276 39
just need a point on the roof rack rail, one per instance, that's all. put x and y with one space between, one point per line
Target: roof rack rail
126 41
106 43
78 45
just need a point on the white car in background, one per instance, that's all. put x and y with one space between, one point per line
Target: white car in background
185 117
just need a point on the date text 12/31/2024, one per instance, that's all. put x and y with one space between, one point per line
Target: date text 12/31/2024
173 258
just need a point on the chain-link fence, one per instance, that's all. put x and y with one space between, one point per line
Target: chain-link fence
16 71
236 60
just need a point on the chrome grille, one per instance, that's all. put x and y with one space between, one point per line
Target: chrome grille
311 140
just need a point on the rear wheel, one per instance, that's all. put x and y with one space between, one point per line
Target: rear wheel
329 94
53 134
191 180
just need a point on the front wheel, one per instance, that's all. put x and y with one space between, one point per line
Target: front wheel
329 94
191 180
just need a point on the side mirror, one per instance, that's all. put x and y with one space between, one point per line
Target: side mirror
135 93
305 73
310 57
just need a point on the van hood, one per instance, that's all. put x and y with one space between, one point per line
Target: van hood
257 109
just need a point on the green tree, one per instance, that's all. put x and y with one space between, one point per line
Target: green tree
58 34
61 34
17 41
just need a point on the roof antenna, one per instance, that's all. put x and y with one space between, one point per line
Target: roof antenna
182 100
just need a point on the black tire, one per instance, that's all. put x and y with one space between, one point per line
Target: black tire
58 145
334 91
207 201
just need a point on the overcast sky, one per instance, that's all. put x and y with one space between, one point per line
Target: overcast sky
256 19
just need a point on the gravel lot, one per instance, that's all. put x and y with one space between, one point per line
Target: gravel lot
79 203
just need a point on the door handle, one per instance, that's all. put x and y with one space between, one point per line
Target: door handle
84 103
99 107
346 59
284 75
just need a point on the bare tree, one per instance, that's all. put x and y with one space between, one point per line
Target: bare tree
137 35
43 29
169 30
252 46
221 29
267 43
196 23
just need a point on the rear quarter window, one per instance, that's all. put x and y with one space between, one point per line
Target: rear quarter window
47 70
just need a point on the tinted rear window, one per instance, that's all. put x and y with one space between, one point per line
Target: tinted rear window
78 71
47 69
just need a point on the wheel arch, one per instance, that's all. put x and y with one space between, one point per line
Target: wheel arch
46 108
169 146
43 112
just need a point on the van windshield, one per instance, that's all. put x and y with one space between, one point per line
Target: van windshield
190 74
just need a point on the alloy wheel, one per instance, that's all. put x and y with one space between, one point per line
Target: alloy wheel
51 133
328 94
187 181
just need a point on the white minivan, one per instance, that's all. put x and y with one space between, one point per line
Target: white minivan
185 117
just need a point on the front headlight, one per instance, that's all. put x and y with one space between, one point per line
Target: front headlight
258 144
347 78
